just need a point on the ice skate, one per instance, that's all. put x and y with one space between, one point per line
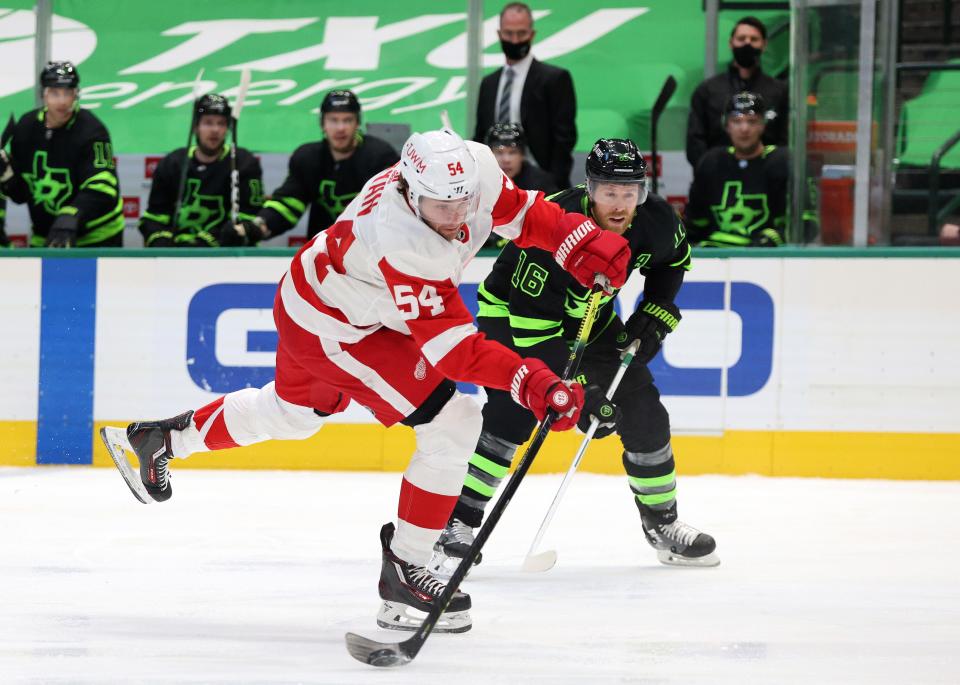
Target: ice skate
409 591
150 442
677 544
450 549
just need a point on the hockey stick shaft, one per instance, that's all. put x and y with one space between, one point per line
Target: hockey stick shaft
8 131
666 92
625 361
175 217
573 363
380 654
234 172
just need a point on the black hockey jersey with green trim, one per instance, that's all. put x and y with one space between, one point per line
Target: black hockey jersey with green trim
316 180
733 200
544 303
206 196
4 241
66 170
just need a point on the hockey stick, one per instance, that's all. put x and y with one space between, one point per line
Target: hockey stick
544 561
669 87
175 219
445 120
234 172
8 132
386 654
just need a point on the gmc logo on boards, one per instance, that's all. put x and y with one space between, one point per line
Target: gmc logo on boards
231 338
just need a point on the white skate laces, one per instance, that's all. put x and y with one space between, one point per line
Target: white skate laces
459 532
681 532
425 580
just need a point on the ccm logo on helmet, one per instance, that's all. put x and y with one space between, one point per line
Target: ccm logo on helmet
415 159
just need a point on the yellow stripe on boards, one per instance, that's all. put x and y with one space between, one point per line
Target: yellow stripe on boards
18 443
370 447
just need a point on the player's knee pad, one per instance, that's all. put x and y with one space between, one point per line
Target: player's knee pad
645 423
444 446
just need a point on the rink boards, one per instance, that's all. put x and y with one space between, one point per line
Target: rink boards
799 362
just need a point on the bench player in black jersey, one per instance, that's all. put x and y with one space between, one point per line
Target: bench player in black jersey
205 196
739 193
324 176
529 304
60 164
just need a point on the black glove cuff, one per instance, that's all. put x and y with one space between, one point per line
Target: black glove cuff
666 314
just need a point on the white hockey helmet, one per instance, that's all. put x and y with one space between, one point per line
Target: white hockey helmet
438 165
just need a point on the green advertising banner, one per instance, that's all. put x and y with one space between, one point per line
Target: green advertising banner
406 61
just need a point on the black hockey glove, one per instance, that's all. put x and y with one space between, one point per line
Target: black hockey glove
597 406
650 324
766 237
6 169
63 232
243 234
4 240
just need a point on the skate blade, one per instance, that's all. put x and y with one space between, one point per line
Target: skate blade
538 563
670 559
397 616
118 446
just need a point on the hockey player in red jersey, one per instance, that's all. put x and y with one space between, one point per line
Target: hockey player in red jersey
369 311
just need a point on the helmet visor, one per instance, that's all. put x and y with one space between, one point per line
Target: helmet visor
447 216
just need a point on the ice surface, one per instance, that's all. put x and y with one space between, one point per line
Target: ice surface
254 577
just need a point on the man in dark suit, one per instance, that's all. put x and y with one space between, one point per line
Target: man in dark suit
535 95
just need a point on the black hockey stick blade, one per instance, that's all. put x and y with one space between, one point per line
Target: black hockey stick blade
669 88
7 132
381 654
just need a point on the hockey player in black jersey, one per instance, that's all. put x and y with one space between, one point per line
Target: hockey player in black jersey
4 240
531 305
60 164
509 143
739 193
327 174
204 195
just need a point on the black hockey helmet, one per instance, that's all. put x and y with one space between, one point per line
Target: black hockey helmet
59 75
616 160
506 135
340 101
211 103
747 103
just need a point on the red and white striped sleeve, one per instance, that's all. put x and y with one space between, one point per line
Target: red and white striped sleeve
443 327
525 217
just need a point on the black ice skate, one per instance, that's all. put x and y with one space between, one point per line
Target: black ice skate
409 591
677 544
150 441
451 548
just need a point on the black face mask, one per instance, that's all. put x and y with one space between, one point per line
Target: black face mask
746 56
515 51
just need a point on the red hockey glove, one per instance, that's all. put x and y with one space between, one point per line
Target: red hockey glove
539 389
586 250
